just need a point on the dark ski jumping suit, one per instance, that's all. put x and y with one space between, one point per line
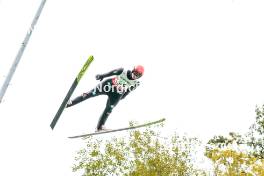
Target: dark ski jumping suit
116 88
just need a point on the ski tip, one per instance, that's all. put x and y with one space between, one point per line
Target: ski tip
91 58
160 120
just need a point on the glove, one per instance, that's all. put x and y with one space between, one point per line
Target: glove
99 77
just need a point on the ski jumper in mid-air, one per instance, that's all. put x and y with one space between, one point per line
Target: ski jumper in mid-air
116 88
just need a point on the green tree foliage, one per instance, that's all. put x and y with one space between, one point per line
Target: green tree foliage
239 154
256 134
140 153
254 139
232 162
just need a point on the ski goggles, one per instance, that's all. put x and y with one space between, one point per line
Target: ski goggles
136 75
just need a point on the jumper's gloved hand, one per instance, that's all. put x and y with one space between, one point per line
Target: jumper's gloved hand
99 77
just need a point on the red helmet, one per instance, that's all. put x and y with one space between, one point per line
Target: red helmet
138 71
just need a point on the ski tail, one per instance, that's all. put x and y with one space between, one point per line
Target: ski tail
71 90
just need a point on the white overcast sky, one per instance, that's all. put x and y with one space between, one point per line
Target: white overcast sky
203 61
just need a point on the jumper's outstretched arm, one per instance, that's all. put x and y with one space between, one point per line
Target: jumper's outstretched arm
111 73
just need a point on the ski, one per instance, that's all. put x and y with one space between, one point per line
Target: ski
21 51
73 86
116 130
